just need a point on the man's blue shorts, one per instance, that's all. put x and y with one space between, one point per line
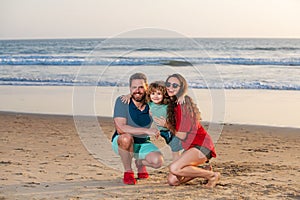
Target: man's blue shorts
140 150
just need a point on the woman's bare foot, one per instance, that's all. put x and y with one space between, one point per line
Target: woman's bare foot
207 167
212 182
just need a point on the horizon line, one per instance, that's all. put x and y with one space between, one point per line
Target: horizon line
139 37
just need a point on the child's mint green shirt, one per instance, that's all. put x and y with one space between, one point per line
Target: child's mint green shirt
159 110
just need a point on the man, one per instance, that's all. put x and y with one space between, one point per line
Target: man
131 139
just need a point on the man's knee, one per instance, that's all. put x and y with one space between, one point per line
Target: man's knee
125 141
156 160
159 161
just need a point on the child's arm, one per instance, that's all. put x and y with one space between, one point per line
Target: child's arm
126 98
181 99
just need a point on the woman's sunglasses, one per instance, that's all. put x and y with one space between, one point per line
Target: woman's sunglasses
174 85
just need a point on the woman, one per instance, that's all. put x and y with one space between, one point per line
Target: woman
184 121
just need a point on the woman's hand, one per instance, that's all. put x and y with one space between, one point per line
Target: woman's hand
160 121
126 98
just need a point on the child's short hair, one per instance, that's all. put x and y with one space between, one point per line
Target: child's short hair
158 85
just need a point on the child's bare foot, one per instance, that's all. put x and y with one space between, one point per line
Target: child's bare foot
212 182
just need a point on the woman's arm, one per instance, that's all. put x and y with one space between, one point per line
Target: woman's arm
183 122
162 122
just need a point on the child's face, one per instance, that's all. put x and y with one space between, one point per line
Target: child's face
156 96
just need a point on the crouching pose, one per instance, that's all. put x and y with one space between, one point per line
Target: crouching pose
131 138
184 121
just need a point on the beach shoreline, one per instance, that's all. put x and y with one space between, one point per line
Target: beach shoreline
43 156
278 108
108 118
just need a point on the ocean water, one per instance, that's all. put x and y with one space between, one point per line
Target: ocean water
206 63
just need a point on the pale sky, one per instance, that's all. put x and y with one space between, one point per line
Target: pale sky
35 19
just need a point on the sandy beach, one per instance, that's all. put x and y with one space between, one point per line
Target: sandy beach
42 157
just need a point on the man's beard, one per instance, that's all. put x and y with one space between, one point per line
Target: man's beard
140 98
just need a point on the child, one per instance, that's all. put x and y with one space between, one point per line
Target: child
157 99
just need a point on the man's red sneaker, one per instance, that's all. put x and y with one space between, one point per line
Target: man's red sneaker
143 175
129 178
142 171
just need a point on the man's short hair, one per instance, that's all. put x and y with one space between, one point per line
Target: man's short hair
138 76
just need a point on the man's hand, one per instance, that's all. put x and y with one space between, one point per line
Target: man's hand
153 132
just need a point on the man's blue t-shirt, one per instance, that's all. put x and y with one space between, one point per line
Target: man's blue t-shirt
134 116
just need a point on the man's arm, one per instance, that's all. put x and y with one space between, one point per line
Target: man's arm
122 127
